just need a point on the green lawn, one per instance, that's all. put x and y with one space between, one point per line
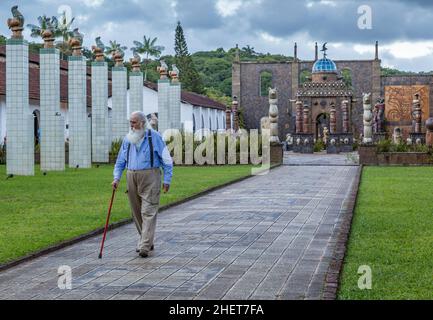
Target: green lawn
392 232
39 211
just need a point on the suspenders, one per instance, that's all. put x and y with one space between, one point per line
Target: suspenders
149 136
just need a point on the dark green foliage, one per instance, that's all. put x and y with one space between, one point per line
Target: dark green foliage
319 145
388 146
265 83
189 75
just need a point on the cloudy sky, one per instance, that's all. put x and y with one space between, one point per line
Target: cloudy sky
402 27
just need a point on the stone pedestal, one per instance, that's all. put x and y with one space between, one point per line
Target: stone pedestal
346 142
414 136
52 121
20 123
119 112
377 137
163 105
100 132
79 132
276 153
333 145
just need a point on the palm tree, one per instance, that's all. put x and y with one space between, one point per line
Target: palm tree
64 31
149 49
113 47
44 24
249 50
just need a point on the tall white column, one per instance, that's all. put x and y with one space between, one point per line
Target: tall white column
174 97
79 135
119 114
19 120
52 121
100 145
163 99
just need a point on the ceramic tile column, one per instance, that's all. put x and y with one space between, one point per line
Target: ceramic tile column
19 120
163 99
79 134
119 99
52 121
100 145
135 87
174 97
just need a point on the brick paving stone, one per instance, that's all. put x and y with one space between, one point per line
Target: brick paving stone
276 244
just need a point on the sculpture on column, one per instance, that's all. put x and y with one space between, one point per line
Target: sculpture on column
162 69
379 116
135 63
47 36
333 119
228 118
397 136
273 115
416 113
299 120
345 112
76 42
174 73
368 117
306 123
98 50
118 58
325 135
16 24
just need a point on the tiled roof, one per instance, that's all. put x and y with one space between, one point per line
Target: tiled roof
34 78
193 98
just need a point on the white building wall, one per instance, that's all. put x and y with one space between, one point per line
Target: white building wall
186 112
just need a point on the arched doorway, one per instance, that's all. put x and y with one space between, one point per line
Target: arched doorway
322 121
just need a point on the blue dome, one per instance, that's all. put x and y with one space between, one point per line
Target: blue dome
324 65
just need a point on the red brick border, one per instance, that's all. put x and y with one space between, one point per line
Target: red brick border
333 275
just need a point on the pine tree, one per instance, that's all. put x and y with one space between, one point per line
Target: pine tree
189 76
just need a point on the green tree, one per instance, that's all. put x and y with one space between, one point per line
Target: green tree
113 47
149 48
189 76
44 24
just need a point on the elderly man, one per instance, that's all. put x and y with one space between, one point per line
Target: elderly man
143 152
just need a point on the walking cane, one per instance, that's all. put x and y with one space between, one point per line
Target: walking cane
106 224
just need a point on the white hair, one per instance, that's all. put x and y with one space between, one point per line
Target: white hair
141 117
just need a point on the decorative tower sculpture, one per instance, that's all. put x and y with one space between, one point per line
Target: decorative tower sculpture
100 132
273 115
345 113
333 119
306 118
20 122
367 117
119 108
429 133
235 105
79 122
52 121
163 98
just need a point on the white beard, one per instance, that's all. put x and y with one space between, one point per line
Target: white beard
135 135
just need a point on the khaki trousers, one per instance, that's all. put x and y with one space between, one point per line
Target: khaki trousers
144 190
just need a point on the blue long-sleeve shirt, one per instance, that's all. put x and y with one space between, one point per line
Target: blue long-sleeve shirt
140 159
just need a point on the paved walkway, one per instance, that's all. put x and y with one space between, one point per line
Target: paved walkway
321 159
268 237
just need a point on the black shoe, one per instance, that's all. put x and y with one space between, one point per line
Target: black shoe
143 254
152 247
137 250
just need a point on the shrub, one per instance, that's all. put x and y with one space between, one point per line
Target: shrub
319 145
115 147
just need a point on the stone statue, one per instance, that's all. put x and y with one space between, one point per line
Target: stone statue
325 135
289 139
379 116
47 35
16 24
118 58
98 50
265 123
345 112
416 113
397 136
368 117
273 115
